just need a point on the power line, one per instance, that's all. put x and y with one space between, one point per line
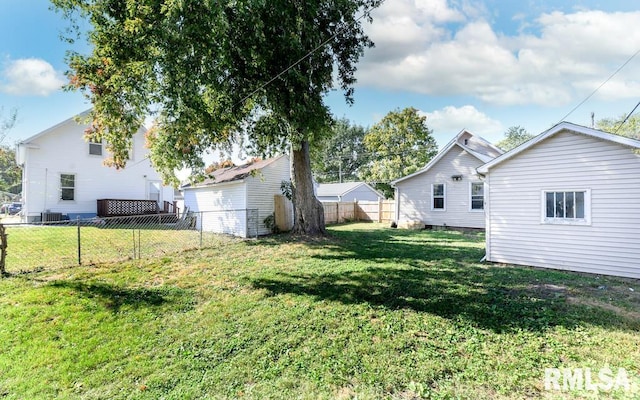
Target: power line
601 85
309 54
627 118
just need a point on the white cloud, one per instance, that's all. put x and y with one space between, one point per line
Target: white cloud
553 60
30 76
450 120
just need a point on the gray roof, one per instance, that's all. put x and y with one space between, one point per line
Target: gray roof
340 189
231 174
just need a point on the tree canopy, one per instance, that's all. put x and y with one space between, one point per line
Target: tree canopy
514 137
10 173
398 145
340 155
208 69
630 128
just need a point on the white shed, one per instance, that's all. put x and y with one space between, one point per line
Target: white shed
347 191
567 199
447 191
236 200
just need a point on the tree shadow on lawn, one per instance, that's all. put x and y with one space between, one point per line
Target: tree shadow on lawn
438 273
114 298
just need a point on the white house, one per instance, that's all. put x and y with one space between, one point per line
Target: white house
236 200
567 199
347 191
447 191
62 173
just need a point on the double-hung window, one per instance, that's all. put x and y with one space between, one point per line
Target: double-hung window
571 207
477 196
438 196
67 187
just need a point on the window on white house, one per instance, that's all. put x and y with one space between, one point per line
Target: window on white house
67 187
477 196
95 148
438 196
567 206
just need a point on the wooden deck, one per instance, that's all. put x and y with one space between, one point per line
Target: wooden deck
127 208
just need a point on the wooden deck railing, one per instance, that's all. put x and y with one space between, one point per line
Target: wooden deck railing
123 207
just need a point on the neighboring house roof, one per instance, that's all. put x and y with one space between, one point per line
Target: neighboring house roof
232 174
341 189
472 144
562 126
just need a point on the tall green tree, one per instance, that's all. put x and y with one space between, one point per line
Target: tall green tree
10 173
630 128
211 68
340 155
399 145
514 137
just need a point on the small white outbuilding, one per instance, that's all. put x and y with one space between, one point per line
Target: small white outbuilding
567 199
237 200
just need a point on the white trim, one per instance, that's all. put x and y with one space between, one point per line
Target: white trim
484 196
444 197
563 126
487 219
586 221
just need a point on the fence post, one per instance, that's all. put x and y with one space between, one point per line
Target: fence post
3 249
201 224
379 210
79 241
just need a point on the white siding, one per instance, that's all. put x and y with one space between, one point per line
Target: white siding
63 150
414 194
222 209
565 161
262 188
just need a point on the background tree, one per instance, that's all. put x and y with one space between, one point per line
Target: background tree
630 128
10 173
399 145
339 156
514 137
213 68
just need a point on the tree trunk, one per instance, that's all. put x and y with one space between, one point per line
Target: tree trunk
307 209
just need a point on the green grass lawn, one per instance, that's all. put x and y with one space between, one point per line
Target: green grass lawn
367 313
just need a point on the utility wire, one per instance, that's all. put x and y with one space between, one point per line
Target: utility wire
601 85
309 54
627 118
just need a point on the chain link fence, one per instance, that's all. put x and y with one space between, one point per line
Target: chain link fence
48 245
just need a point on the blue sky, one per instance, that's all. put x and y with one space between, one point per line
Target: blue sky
477 65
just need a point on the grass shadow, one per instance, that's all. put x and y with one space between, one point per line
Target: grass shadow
439 273
114 298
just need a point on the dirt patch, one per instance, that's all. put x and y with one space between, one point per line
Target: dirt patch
605 306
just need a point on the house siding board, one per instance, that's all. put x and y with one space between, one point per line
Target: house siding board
262 188
414 194
63 150
565 161
222 209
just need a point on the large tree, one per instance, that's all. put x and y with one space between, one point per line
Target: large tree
340 155
10 173
399 145
623 125
514 137
213 68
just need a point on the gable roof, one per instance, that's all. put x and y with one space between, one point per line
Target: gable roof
561 127
233 174
340 189
54 127
477 147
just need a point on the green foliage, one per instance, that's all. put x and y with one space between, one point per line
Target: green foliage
340 156
270 223
399 145
630 128
514 137
210 69
10 173
369 313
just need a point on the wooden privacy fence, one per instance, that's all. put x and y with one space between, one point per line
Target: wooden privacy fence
375 211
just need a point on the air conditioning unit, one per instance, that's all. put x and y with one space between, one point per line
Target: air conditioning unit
51 216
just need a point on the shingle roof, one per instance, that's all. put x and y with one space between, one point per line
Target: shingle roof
233 173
